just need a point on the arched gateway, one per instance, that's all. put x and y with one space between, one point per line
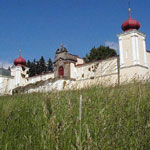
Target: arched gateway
61 71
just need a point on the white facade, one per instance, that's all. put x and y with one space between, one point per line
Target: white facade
134 58
20 75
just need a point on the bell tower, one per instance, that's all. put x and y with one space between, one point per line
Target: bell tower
132 45
19 71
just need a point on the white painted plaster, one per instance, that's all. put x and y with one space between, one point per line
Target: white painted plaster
121 52
134 50
144 50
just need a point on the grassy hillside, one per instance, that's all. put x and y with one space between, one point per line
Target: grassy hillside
112 119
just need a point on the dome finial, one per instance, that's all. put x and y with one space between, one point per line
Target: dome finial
129 9
129 12
61 45
130 24
20 52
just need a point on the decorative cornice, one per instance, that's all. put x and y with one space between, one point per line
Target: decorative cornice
60 58
137 65
130 32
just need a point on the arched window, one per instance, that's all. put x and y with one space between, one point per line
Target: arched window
61 71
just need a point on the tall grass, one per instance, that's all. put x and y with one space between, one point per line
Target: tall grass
113 118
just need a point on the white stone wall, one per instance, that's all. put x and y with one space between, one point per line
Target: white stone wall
136 72
100 72
42 77
96 69
6 85
79 61
97 73
148 59
56 86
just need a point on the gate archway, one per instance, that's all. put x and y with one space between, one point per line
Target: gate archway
61 71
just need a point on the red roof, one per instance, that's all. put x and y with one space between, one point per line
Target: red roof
19 61
130 24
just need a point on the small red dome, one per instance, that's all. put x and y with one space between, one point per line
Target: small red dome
19 61
130 24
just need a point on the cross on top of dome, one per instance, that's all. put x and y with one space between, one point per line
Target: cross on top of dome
61 49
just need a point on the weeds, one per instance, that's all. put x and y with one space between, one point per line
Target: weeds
110 118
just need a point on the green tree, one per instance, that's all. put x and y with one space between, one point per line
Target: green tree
49 65
99 53
38 69
42 65
32 70
30 66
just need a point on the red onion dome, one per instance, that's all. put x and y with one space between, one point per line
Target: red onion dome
130 24
19 61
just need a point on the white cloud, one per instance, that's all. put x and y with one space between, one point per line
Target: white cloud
112 45
5 64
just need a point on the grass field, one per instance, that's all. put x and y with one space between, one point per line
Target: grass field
113 118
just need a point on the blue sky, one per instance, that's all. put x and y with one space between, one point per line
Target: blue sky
38 27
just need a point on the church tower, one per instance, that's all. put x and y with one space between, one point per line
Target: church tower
132 45
19 71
